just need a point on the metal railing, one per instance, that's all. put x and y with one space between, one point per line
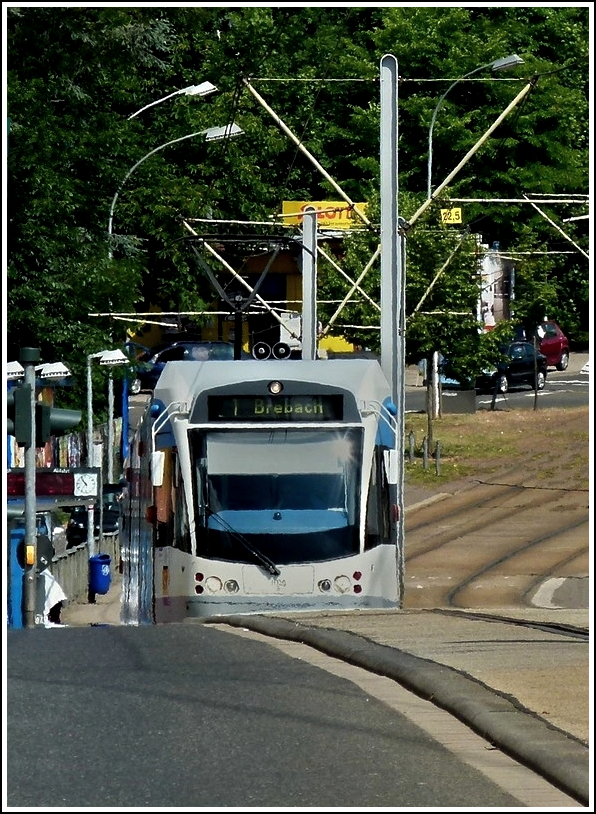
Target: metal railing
71 569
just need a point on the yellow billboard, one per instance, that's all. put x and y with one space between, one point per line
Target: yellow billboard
330 214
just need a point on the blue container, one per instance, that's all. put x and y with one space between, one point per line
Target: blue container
15 592
100 576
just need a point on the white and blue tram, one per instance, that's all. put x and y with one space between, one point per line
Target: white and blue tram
261 486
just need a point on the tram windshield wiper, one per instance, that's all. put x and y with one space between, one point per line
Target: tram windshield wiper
268 564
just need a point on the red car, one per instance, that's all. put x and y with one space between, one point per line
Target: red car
552 342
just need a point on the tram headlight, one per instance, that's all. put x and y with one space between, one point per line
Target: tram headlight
342 584
275 388
231 586
213 584
324 585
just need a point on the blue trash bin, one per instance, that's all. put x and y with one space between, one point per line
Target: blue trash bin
100 576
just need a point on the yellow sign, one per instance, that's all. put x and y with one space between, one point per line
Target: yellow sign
450 215
330 214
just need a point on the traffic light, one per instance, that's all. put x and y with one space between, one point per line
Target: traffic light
18 414
48 420
53 421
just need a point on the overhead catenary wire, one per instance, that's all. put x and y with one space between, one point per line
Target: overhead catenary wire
375 79
558 228
330 60
437 275
365 271
311 158
521 95
405 79
243 282
529 84
551 200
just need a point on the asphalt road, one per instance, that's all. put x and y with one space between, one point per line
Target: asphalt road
563 389
189 716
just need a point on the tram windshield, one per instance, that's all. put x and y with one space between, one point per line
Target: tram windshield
290 494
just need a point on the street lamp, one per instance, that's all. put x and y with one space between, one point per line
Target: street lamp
503 64
107 358
203 89
211 134
14 370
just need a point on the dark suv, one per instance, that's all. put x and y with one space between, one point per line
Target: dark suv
152 361
521 364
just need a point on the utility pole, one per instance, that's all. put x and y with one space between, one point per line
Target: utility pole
28 358
393 258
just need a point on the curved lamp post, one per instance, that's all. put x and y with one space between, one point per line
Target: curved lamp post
211 134
502 64
203 89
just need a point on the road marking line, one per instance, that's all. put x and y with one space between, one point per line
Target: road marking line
544 595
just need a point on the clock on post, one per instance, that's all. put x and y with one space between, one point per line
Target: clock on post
86 484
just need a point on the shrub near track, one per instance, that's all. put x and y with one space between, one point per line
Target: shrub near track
548 448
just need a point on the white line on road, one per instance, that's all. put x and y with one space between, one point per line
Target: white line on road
543 598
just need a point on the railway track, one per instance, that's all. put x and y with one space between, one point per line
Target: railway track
572 631
494 545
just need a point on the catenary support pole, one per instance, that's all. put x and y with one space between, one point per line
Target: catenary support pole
309 283
392 288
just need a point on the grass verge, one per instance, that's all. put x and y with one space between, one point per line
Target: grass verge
550 445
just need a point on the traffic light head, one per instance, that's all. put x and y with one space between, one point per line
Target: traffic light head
48 420
53 421
18 414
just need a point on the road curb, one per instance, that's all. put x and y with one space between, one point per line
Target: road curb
520 733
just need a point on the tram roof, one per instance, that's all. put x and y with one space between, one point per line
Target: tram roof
182 381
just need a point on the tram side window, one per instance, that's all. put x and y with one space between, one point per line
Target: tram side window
181 525
377 509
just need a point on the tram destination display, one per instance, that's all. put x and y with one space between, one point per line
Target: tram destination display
276 408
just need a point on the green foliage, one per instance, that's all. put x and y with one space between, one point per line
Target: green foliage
76 75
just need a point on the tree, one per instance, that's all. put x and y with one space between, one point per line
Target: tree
75 75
